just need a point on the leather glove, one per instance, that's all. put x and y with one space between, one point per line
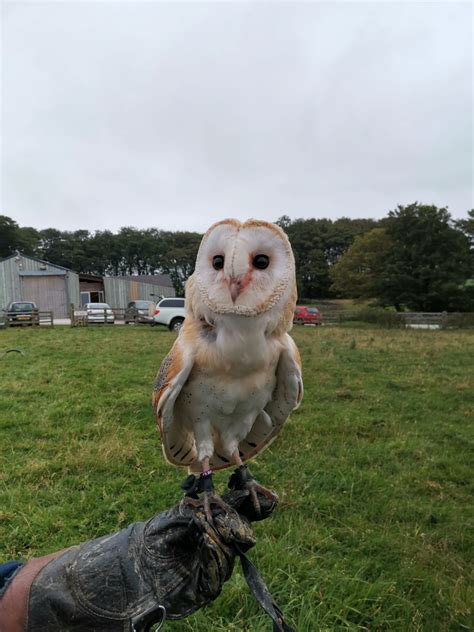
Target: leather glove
175 563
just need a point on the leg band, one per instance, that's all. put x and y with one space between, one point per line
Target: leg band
194 485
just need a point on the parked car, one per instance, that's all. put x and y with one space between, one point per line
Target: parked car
99 313
21 313
140 312
307 315
170 312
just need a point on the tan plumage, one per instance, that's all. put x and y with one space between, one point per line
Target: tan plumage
233 375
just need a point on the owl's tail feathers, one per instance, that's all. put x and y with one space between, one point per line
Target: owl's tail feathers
179 447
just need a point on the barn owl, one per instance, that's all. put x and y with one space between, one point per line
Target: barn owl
233 375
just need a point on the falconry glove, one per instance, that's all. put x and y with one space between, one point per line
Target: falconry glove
168 567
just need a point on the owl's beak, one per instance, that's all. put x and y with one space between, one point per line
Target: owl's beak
235 287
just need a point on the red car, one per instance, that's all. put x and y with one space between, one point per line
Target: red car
307 315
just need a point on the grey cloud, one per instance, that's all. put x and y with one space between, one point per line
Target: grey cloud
175 115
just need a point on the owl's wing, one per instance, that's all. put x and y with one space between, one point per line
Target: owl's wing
286 397
177 441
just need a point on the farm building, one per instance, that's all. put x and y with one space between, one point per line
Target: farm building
54 288
119 291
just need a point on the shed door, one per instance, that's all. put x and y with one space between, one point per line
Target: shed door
48 292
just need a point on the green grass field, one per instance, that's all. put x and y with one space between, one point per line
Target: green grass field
375 470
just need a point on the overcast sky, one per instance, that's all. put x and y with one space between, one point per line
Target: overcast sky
175 115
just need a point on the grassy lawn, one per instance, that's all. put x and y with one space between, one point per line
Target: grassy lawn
374 471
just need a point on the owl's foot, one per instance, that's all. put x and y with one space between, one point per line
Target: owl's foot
194 485
243 479
208 499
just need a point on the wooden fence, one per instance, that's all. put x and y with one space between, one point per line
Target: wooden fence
424 319
80 318
38 318
421 320
415 320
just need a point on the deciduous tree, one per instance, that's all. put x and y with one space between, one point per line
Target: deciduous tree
428 262
179 256
358 272
317 245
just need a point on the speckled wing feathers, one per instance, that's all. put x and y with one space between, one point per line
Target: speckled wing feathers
177 441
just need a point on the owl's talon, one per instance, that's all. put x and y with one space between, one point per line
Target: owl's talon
243 479
208 499
254 498
255 489
195 485
191 502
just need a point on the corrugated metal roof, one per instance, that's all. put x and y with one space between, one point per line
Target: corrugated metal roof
42 273
20 254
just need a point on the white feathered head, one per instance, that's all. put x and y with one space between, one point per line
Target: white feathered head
245 269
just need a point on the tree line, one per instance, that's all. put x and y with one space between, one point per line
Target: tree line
417 257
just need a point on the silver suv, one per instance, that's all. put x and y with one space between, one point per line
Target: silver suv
170 312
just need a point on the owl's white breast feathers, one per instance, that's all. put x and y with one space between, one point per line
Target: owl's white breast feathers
240 345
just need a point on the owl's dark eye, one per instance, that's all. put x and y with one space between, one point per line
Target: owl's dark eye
218 262
261 262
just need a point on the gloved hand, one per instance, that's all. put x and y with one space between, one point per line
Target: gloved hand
175 563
